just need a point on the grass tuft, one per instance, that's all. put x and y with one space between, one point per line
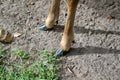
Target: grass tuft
41 66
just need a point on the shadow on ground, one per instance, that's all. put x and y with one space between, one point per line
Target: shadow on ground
92 50
83 30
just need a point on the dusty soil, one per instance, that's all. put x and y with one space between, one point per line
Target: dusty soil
96 53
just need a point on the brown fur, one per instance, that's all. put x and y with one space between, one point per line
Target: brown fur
53 16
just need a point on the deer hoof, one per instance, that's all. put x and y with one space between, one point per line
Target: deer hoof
60 52
42 27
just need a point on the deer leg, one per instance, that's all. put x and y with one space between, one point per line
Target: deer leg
68 34
52 16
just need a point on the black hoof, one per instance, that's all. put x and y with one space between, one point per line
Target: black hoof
42 27
60 52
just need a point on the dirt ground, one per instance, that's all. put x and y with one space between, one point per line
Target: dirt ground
96 53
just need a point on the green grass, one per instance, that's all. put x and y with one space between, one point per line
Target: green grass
17 65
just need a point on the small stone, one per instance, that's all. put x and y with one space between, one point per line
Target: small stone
92 24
